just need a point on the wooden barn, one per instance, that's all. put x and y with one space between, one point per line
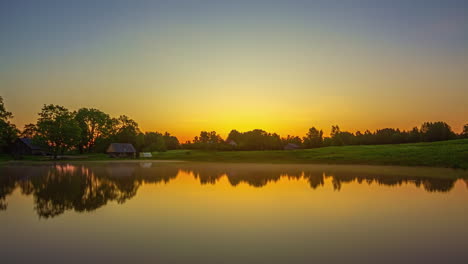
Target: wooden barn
121 150
25 146
291 146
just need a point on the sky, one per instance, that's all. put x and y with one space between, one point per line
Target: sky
281 66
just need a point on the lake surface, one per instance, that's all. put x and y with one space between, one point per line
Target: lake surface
155 212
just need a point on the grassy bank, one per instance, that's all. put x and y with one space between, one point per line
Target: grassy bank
452 154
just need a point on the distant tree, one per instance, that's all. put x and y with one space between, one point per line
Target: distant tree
154 141
313 138
436 131
8 131
274 141
388 136
258 139
126 130
57 129
414 135
29 131
94 124
346 138
465 131
327 141
340 138
335 130
207 140
368 138
292 139
170 141
234 136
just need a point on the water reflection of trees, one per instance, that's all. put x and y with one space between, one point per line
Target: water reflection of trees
82 188
59 188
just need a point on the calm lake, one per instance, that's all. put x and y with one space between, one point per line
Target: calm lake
162 212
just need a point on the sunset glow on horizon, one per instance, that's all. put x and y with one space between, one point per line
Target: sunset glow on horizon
280 66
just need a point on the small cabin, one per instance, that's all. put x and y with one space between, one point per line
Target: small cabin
121 150
25 146
291 146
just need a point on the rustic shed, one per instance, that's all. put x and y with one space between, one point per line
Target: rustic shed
25 146
117 150
291 146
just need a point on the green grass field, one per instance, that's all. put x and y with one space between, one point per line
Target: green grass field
452 154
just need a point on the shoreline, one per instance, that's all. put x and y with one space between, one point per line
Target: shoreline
442 154
330 169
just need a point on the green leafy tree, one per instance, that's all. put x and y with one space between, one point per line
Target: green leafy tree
94 124
57 129
335 136
207 140
436 131
465 131
313 138
170 141
126 130
154 141
292 139
29 131
414 135
341 138
234 136
8 131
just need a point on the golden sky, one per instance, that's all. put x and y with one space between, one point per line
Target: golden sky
182 68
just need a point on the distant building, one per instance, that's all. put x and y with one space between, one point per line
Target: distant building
291 146
232 143
25 146
121 150
146 155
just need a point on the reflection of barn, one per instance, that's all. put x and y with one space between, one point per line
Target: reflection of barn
121 170
25 146
117 150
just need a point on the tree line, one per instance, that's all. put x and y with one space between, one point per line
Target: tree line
261 140
87 130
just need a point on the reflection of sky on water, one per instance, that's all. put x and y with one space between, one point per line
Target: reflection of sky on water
80 187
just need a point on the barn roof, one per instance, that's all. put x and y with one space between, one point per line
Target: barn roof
28 142
290 146
121 148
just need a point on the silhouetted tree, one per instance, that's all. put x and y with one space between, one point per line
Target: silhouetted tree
154 141
29 131
436 131
465 131
207 140
340 138
234 136
292 140
414 135
94 125
170 141
57 129
388 136
314 138
8 131
126 130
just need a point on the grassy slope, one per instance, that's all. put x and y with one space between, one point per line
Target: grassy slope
452 154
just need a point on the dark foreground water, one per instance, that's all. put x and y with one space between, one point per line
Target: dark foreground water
231 213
